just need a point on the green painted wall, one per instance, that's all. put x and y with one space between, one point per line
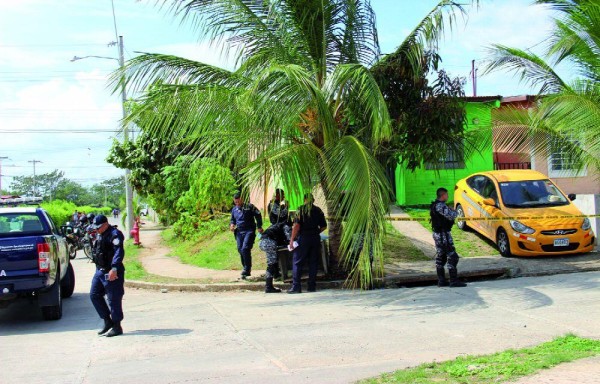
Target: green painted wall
418 187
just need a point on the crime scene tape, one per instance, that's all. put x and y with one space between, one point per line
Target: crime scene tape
518 218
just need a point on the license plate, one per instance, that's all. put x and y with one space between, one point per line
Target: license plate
561 242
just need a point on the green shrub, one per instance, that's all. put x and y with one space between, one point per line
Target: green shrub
62 211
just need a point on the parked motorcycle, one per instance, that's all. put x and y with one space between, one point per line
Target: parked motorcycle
79 237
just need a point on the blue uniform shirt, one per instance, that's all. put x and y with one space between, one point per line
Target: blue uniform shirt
246 218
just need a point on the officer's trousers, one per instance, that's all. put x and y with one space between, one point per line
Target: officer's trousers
114 291
308 249
446 253
245 242
269 246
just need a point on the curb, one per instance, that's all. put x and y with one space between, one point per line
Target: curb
390 281
222 287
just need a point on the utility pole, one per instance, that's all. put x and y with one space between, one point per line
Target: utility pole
128 188
34 161
1 158
474 77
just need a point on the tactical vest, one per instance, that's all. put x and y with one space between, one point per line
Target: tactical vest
103 251
439 223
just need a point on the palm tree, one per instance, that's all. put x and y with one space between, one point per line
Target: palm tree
569 111
302 106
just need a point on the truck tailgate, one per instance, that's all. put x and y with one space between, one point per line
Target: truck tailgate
19 256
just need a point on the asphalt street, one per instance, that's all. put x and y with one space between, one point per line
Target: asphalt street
325 337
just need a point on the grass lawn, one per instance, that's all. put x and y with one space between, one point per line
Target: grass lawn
467 243
498 367
220 252
135 271
397 248
215 252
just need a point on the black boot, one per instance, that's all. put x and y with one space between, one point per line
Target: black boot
115 331
269 288
108 324
454 282
441 274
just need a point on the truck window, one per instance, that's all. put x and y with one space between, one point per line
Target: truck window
17 223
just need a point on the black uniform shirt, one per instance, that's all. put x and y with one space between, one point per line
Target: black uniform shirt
312 221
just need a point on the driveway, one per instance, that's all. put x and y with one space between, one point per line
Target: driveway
325 337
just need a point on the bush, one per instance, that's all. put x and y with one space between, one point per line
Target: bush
61 211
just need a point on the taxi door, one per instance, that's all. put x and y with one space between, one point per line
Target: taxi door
489 227
471 199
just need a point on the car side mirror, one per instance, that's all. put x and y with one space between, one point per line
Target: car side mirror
489 201
572 196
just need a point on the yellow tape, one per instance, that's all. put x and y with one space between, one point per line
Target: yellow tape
496 218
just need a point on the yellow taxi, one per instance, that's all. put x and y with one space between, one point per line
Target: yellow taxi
529 210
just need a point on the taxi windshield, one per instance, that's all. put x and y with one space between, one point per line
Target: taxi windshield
530 194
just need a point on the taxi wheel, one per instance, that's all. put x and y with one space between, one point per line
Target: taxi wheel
462 225
503 243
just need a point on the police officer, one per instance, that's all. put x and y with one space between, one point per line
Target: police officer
308 225
442 220
278 208
274 236
109 278
245 218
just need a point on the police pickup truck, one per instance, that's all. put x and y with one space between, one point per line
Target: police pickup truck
34 260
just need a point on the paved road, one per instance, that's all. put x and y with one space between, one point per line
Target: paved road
324 337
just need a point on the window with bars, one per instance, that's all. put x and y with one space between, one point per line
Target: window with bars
452 160
562 162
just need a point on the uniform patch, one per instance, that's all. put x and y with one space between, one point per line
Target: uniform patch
116 241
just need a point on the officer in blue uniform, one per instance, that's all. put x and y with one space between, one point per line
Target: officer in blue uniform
245 218
442 220
308 225
109 279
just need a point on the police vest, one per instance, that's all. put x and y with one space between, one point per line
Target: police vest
104 249
439 223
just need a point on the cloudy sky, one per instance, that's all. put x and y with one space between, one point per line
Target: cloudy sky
63 114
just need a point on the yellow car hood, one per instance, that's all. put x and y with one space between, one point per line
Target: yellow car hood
550 223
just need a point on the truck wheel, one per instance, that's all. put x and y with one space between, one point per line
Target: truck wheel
68 283
54 312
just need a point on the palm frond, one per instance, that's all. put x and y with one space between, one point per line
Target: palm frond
149 68
530 68
364 199
355 82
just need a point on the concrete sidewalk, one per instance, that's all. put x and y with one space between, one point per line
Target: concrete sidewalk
414 231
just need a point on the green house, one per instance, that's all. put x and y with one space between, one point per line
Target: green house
418 187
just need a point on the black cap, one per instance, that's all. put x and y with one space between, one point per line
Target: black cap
237 195
99 220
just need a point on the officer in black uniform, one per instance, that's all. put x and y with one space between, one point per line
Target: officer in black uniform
308 225
109 279
442 220
245 218
278 209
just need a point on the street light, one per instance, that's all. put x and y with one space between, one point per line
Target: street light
128 188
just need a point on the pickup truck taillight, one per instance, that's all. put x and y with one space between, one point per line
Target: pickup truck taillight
43 257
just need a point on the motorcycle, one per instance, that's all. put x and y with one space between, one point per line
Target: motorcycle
79 237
